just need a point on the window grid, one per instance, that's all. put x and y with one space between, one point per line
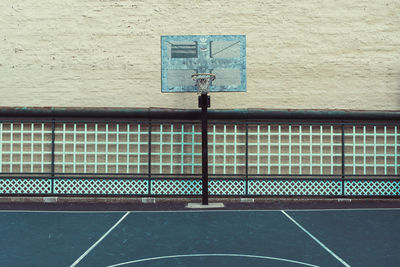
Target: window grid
227 149
176 149
374 150
24 147
100 148
90 147
294 149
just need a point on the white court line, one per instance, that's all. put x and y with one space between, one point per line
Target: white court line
316 240
212 255
188 211
98 241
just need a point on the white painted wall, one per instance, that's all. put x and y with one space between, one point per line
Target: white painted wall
300 54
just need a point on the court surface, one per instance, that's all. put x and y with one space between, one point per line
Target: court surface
346 237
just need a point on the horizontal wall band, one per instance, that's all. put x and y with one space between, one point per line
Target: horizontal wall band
193 114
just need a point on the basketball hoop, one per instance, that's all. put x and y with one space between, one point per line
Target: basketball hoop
203 81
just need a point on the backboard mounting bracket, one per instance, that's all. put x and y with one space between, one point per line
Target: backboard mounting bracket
201 103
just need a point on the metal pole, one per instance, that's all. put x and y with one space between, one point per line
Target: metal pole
204 103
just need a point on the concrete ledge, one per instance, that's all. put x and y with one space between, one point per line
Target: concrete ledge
201 206
134 200
76 203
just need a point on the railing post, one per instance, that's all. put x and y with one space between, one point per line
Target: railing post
247 160
343 160
149 162
53 137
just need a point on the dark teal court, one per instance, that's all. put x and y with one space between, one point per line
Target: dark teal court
201 238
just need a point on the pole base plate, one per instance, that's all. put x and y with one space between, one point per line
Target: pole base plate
201 206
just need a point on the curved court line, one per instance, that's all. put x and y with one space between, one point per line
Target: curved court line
213 255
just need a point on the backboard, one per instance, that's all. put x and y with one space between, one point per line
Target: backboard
222 55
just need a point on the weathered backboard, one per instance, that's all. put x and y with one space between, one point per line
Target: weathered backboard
222 55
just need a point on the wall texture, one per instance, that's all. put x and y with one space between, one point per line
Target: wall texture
305 54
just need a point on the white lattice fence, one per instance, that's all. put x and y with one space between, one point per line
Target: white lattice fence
372 188
295 187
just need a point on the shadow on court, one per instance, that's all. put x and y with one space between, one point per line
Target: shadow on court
201 238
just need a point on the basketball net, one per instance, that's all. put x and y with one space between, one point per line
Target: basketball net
203 81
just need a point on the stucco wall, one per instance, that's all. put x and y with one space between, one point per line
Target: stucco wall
303 54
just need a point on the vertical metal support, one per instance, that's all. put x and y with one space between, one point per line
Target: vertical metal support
396 166
204 103
365 149
374 149
279 149
85 145
1 147
161 146
247 160
171 164
311 150
214 148
106 153
128 134
149 162
96 134
385 151
53 137
12 146
269 149
300 146
354 150
343 160
182 148
21 165
138 145
74 149
290 149
116 148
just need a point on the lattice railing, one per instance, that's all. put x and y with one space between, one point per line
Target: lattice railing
58 157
